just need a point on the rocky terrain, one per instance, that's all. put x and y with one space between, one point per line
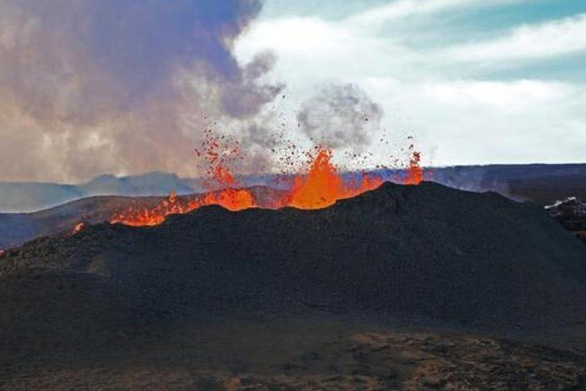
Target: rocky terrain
571 213
333 359
291 299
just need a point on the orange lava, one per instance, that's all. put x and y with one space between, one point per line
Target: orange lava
137 215
220 182
78 228
321 187
415 173
231 199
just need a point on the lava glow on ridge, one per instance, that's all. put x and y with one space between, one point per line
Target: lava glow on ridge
321 186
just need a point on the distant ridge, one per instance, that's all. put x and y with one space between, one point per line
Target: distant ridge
33 196
543 183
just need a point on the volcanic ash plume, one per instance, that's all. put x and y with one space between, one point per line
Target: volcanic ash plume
340 116
94 86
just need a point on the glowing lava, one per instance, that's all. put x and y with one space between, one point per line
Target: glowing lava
415 173
220 183
321 187
78 228
137 215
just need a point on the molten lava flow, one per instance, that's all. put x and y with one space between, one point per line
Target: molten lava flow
78 228
137 216
142 216
217 154
414 171
321 187
231 199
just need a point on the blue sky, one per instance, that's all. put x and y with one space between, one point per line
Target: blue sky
474 81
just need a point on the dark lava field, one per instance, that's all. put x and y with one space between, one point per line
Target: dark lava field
403 287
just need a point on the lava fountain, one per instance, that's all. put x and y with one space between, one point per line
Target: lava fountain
319 188
323 186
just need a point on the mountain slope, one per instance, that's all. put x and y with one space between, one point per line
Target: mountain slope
291 299
425 251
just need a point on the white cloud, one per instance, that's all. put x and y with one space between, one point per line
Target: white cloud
313 49
299 34
479 122
552 38
406 8
506 96
455 121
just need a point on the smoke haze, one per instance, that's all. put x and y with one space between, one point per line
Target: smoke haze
121 86
340 116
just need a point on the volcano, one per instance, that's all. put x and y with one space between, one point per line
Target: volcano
422 254
425 250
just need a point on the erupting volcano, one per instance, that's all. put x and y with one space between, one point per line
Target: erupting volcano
321 186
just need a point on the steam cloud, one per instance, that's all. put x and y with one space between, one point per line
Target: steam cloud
122 86
340 116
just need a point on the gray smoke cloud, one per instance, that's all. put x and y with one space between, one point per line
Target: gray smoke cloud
340 116
121 86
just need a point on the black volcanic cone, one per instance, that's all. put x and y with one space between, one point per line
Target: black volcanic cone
400 251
